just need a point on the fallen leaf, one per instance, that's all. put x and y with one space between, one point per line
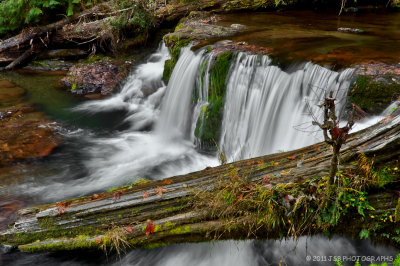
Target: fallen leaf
128 229
96 196
146 194
167 181
117 196
160 190
293 157
385 120
61 210
287 199
98 240
62 206
318 147
260 162
276 163
149 228
268 186
266 179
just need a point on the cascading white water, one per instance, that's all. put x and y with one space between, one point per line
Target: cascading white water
267 109
176 108
124 156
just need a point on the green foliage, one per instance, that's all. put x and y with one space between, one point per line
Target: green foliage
396 262
14 14
338 262
134 20
364 234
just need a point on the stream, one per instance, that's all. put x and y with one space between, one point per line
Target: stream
147 130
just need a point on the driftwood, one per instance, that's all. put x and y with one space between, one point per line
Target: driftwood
88 222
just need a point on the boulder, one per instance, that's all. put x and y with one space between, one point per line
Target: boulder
95 78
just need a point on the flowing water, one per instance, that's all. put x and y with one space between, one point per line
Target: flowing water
146 130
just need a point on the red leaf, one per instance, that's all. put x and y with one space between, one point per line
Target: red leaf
293 157
117 196
276 163
260 162
160 190
146 195
167 181
149 228
335 132
129 229
287 199
98 240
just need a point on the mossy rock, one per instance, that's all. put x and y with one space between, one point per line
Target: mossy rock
374 94
209 123
174 44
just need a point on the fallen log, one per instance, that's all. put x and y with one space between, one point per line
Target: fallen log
14 50
180 209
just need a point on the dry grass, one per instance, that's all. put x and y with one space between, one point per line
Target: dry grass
115 240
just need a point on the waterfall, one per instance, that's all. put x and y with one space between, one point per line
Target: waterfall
176 107
268 110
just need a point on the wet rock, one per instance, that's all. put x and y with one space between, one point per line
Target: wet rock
24 133
198 26
49 65
350 30
63 54
376 86
96 78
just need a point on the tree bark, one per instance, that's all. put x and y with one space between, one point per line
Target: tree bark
86 222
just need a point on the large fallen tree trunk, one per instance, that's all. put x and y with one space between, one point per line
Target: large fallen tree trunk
179 209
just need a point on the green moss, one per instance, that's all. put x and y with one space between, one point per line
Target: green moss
397 212
209 122
79 242
373 95
174 43
180 25
180 230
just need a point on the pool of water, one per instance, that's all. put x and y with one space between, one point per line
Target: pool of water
311 36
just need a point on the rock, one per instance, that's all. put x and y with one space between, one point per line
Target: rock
24 133
63 54
238 26
201 29
350 30
49 65
94 78
377 85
